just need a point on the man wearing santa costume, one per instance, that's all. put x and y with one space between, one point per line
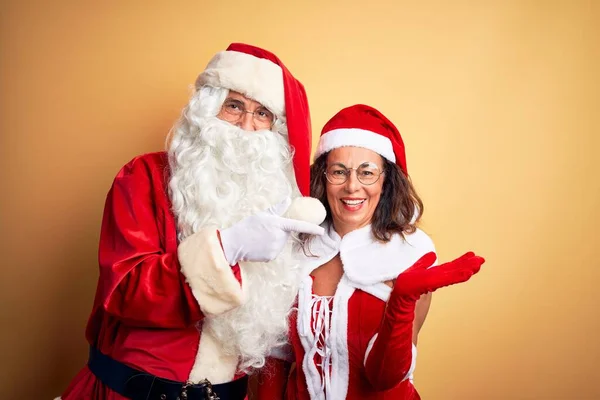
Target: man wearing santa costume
196 268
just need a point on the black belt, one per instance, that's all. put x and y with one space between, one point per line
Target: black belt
139 385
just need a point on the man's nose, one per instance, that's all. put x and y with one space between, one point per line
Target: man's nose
246 122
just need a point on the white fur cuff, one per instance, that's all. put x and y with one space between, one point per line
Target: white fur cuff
213 283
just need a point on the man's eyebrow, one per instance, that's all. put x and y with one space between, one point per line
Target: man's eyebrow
232 100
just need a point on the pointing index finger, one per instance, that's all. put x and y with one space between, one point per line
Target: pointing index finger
294 225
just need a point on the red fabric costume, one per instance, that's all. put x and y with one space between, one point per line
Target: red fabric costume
153 291
340 340
144 313
357 344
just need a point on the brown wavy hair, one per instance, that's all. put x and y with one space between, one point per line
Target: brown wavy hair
398 204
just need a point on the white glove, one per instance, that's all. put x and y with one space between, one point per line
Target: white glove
261 237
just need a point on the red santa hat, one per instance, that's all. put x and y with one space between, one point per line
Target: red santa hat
261 76
363 126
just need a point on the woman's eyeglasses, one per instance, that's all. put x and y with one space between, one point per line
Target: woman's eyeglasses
366 173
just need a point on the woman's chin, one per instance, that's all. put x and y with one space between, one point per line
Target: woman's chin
348 224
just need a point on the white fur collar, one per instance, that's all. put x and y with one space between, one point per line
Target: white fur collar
365 260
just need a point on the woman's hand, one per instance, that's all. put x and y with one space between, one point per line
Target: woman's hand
390 359
421 278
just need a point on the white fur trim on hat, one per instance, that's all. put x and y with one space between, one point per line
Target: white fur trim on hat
357 138
256 78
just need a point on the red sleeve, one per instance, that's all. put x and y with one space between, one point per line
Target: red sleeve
389 360
140 280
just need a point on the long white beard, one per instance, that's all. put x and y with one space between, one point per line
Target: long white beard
221 174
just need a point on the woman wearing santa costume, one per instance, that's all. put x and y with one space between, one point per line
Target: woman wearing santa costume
352 334
197 273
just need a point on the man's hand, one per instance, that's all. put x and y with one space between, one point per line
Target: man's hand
261 237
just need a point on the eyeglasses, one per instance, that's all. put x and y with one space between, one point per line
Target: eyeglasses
367 173
233 110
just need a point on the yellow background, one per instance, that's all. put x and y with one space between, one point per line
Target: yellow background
499 105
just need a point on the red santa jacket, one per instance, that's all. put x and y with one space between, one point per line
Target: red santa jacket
149 298
331 338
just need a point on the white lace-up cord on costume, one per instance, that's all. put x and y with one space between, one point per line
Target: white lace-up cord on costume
320 307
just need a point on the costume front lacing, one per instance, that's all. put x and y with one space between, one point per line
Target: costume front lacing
320 307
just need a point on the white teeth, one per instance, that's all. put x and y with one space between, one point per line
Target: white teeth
353 202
